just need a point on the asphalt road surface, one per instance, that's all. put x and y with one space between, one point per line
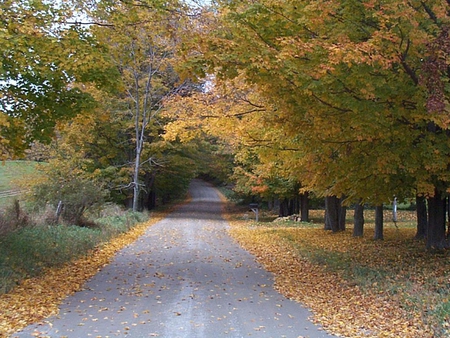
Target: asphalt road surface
185 277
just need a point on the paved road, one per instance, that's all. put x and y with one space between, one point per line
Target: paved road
183 278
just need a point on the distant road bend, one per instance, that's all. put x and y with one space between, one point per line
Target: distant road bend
185 277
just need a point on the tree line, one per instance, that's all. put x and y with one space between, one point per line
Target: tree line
345 100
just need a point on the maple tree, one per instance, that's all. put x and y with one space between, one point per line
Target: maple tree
331 274
119 135
42 67
345 78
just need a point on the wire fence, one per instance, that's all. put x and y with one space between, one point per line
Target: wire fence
10 193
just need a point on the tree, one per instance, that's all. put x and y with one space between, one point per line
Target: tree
422 220
42 68
379 223
335 214
142 41
345 78
358 226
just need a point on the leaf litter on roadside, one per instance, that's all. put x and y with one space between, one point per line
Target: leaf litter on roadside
341 307
38 298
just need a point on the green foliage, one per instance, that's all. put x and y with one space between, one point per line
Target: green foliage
179 168
67 180
76 194
115 221
41 70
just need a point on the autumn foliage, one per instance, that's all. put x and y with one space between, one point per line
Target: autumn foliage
355 288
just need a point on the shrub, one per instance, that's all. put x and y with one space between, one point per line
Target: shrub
13 218
76 194
28 250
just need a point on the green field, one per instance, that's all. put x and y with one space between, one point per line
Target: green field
10 174
11 171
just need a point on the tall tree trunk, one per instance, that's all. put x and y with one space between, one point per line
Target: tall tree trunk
291 206
150 197
295 205
304 207
334 214
327 225
284 208
136 179
342 215
436 222
358 224
379 222
270 205
422 217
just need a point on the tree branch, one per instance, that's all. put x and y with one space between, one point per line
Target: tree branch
403 56
330 105
430 12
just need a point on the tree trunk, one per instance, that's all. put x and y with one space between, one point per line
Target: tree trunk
358 224
304 207
276 204
150 197
379 222
294 206
422 217
342 215
334 214
270 204
327 225
291 206
136 180
436 222
284 208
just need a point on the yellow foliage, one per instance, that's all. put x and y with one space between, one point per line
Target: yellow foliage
339 304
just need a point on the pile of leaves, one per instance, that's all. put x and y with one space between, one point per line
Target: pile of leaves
355 287
38 298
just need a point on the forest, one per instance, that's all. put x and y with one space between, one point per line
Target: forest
342 104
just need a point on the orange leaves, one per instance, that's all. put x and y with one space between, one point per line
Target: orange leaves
340 304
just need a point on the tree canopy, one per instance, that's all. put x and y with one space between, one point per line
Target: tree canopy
339 98
43 65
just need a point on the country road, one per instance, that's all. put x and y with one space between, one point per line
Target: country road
185 277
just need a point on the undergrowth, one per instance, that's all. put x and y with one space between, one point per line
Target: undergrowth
27 251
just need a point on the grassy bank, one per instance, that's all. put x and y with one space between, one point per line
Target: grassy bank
28 251
10 171
356 287
38 297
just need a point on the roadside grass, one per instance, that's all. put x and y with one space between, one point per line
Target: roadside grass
30 250
356 287
29 246
38 297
